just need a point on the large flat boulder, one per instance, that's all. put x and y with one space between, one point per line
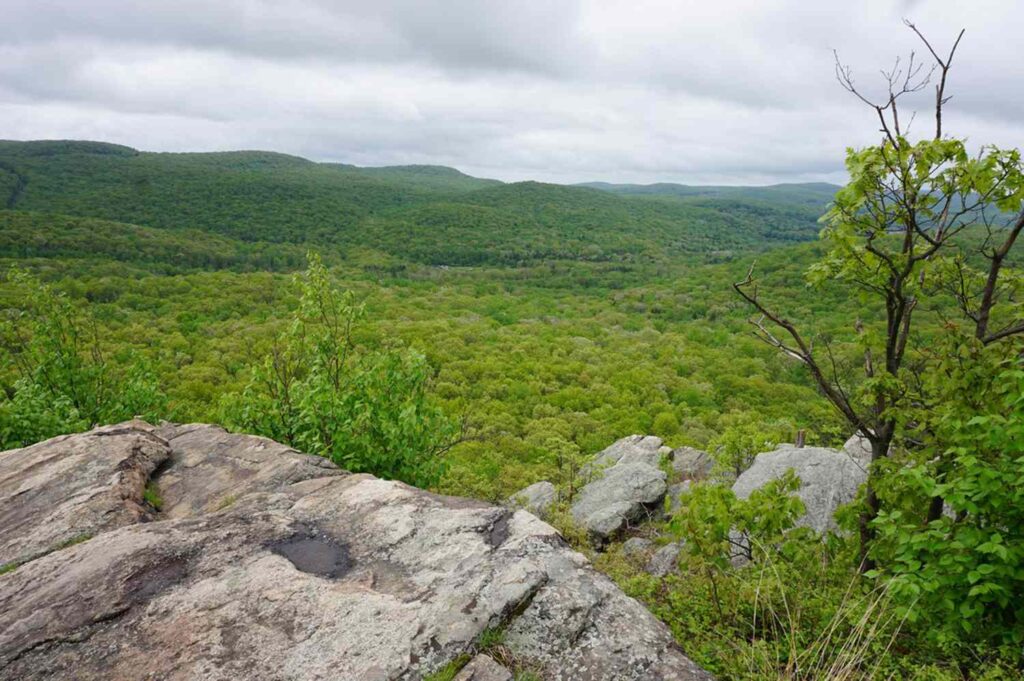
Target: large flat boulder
72 487
828 479
310 577
625 494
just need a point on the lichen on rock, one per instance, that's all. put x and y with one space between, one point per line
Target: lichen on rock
308 572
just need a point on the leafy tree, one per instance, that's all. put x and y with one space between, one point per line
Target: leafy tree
665 424
60 378
718 527
897 234
963 570
368 411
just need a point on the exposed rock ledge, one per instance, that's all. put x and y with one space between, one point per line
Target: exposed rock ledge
264 563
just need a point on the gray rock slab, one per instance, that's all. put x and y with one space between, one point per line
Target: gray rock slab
537 498
339 576
645 449
75 486
211 468
626 493
828 479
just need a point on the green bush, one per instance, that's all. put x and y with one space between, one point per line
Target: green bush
961 575
368 411
60 378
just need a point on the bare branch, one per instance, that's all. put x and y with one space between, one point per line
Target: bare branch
802 350
944 64
1007 331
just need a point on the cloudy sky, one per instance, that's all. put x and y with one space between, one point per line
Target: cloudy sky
715 91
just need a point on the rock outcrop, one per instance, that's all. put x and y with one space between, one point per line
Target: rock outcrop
210 468
627 494
73 487
537 498
269 564
691 464
628 487
828 479
645 449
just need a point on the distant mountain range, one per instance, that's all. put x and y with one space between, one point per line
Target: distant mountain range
417 213
808 193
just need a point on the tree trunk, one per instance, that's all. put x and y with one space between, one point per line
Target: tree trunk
879 449
867 533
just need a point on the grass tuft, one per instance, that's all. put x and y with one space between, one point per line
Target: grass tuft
151 495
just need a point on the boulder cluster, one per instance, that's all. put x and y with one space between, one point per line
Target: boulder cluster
187 552
637 479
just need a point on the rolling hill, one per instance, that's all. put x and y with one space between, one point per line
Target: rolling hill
422 214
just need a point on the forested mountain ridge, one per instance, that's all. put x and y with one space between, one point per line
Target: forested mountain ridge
426 214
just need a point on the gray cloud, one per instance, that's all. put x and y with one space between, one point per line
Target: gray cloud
624 90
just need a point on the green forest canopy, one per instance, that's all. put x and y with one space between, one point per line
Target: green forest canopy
541 307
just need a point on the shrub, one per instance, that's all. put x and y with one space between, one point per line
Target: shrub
60 378
368 411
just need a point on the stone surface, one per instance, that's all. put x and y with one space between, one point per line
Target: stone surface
664 560
859 447
72 487
335 576
636 546
828 479
537 498
646 449
675 493
691 464
210 468
578 628
625 494
483 668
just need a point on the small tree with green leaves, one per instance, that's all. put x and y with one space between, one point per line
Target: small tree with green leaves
366 410
964 570
718 527
900 236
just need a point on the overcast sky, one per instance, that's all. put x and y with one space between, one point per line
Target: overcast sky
718 91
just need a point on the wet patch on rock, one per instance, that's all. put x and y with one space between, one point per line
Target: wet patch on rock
156 578
316 555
